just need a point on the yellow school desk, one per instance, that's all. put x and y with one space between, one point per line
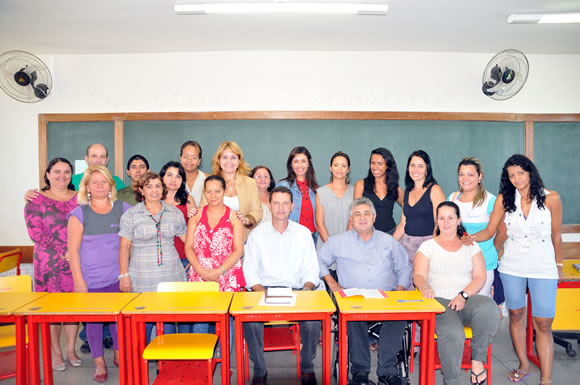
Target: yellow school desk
313 305
571 280
177 307
396 306
71 307
9 303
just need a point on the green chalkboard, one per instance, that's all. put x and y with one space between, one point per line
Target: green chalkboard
557 156
70 140
268 142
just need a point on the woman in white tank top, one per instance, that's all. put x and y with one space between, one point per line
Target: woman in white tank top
532 257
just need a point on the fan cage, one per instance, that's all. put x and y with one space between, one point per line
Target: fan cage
13 61
515 60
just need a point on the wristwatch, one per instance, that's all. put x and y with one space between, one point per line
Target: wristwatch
464 295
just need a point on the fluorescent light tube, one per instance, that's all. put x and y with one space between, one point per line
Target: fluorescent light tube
281 7
544 18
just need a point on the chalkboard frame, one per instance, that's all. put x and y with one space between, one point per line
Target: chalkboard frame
119 118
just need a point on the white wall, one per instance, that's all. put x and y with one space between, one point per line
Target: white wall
237 81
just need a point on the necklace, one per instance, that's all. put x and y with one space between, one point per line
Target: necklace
159 246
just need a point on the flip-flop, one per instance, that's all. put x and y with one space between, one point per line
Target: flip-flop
477 375
518 375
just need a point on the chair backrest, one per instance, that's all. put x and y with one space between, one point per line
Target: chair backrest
173 287
16 283
10 260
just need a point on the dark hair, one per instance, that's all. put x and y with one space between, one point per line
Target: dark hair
50 166
216 178
429 179
507 189
460 229
281 189
194 144
137 157
345 156
391 176
272 181
310 174
148 176
181 194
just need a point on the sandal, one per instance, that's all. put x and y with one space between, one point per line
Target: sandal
477 375
518 375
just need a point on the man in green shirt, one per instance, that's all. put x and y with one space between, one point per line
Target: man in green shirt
97 155
137 166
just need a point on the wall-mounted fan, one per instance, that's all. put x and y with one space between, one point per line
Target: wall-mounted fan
505 74
24 76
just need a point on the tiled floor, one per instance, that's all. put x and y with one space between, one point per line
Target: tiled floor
281 367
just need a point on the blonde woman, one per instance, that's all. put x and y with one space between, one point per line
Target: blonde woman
241 193
93 244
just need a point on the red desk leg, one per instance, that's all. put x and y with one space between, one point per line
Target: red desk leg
128 349
430 375
423 353
342 365
46 353
122 349
21 371
239 351
33 347
326 350
225 348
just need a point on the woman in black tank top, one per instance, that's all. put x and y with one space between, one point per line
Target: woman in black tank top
422 195
381 186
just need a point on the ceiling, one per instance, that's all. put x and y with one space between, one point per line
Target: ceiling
151 26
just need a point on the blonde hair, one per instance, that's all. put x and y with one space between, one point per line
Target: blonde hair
480 195
82 197
243 168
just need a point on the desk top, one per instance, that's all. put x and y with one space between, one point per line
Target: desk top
9 302
567 310
180 303
570 274
78 303
395 302
316 301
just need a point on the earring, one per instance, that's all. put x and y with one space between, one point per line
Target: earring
89 196
110 195
348 177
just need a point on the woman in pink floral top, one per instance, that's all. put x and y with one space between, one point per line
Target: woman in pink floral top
215 240
46 220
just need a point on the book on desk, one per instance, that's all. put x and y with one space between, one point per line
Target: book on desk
278 295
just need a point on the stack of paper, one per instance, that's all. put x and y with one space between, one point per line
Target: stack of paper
367 293
278 295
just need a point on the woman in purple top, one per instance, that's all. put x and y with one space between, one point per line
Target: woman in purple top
46 219
93 244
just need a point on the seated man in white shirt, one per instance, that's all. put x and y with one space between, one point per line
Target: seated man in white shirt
281 253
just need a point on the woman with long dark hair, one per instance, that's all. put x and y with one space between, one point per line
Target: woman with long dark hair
532 258
301 180
422 196
333 200
381 186
173 176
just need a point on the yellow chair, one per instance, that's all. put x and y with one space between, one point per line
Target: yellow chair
465 359
181 349
23 284
10 260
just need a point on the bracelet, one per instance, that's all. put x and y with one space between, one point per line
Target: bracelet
123 275
560 264
223 270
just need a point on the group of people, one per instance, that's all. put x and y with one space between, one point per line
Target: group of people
238 227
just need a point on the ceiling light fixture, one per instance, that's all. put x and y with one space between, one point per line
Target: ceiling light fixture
281 8
543 18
